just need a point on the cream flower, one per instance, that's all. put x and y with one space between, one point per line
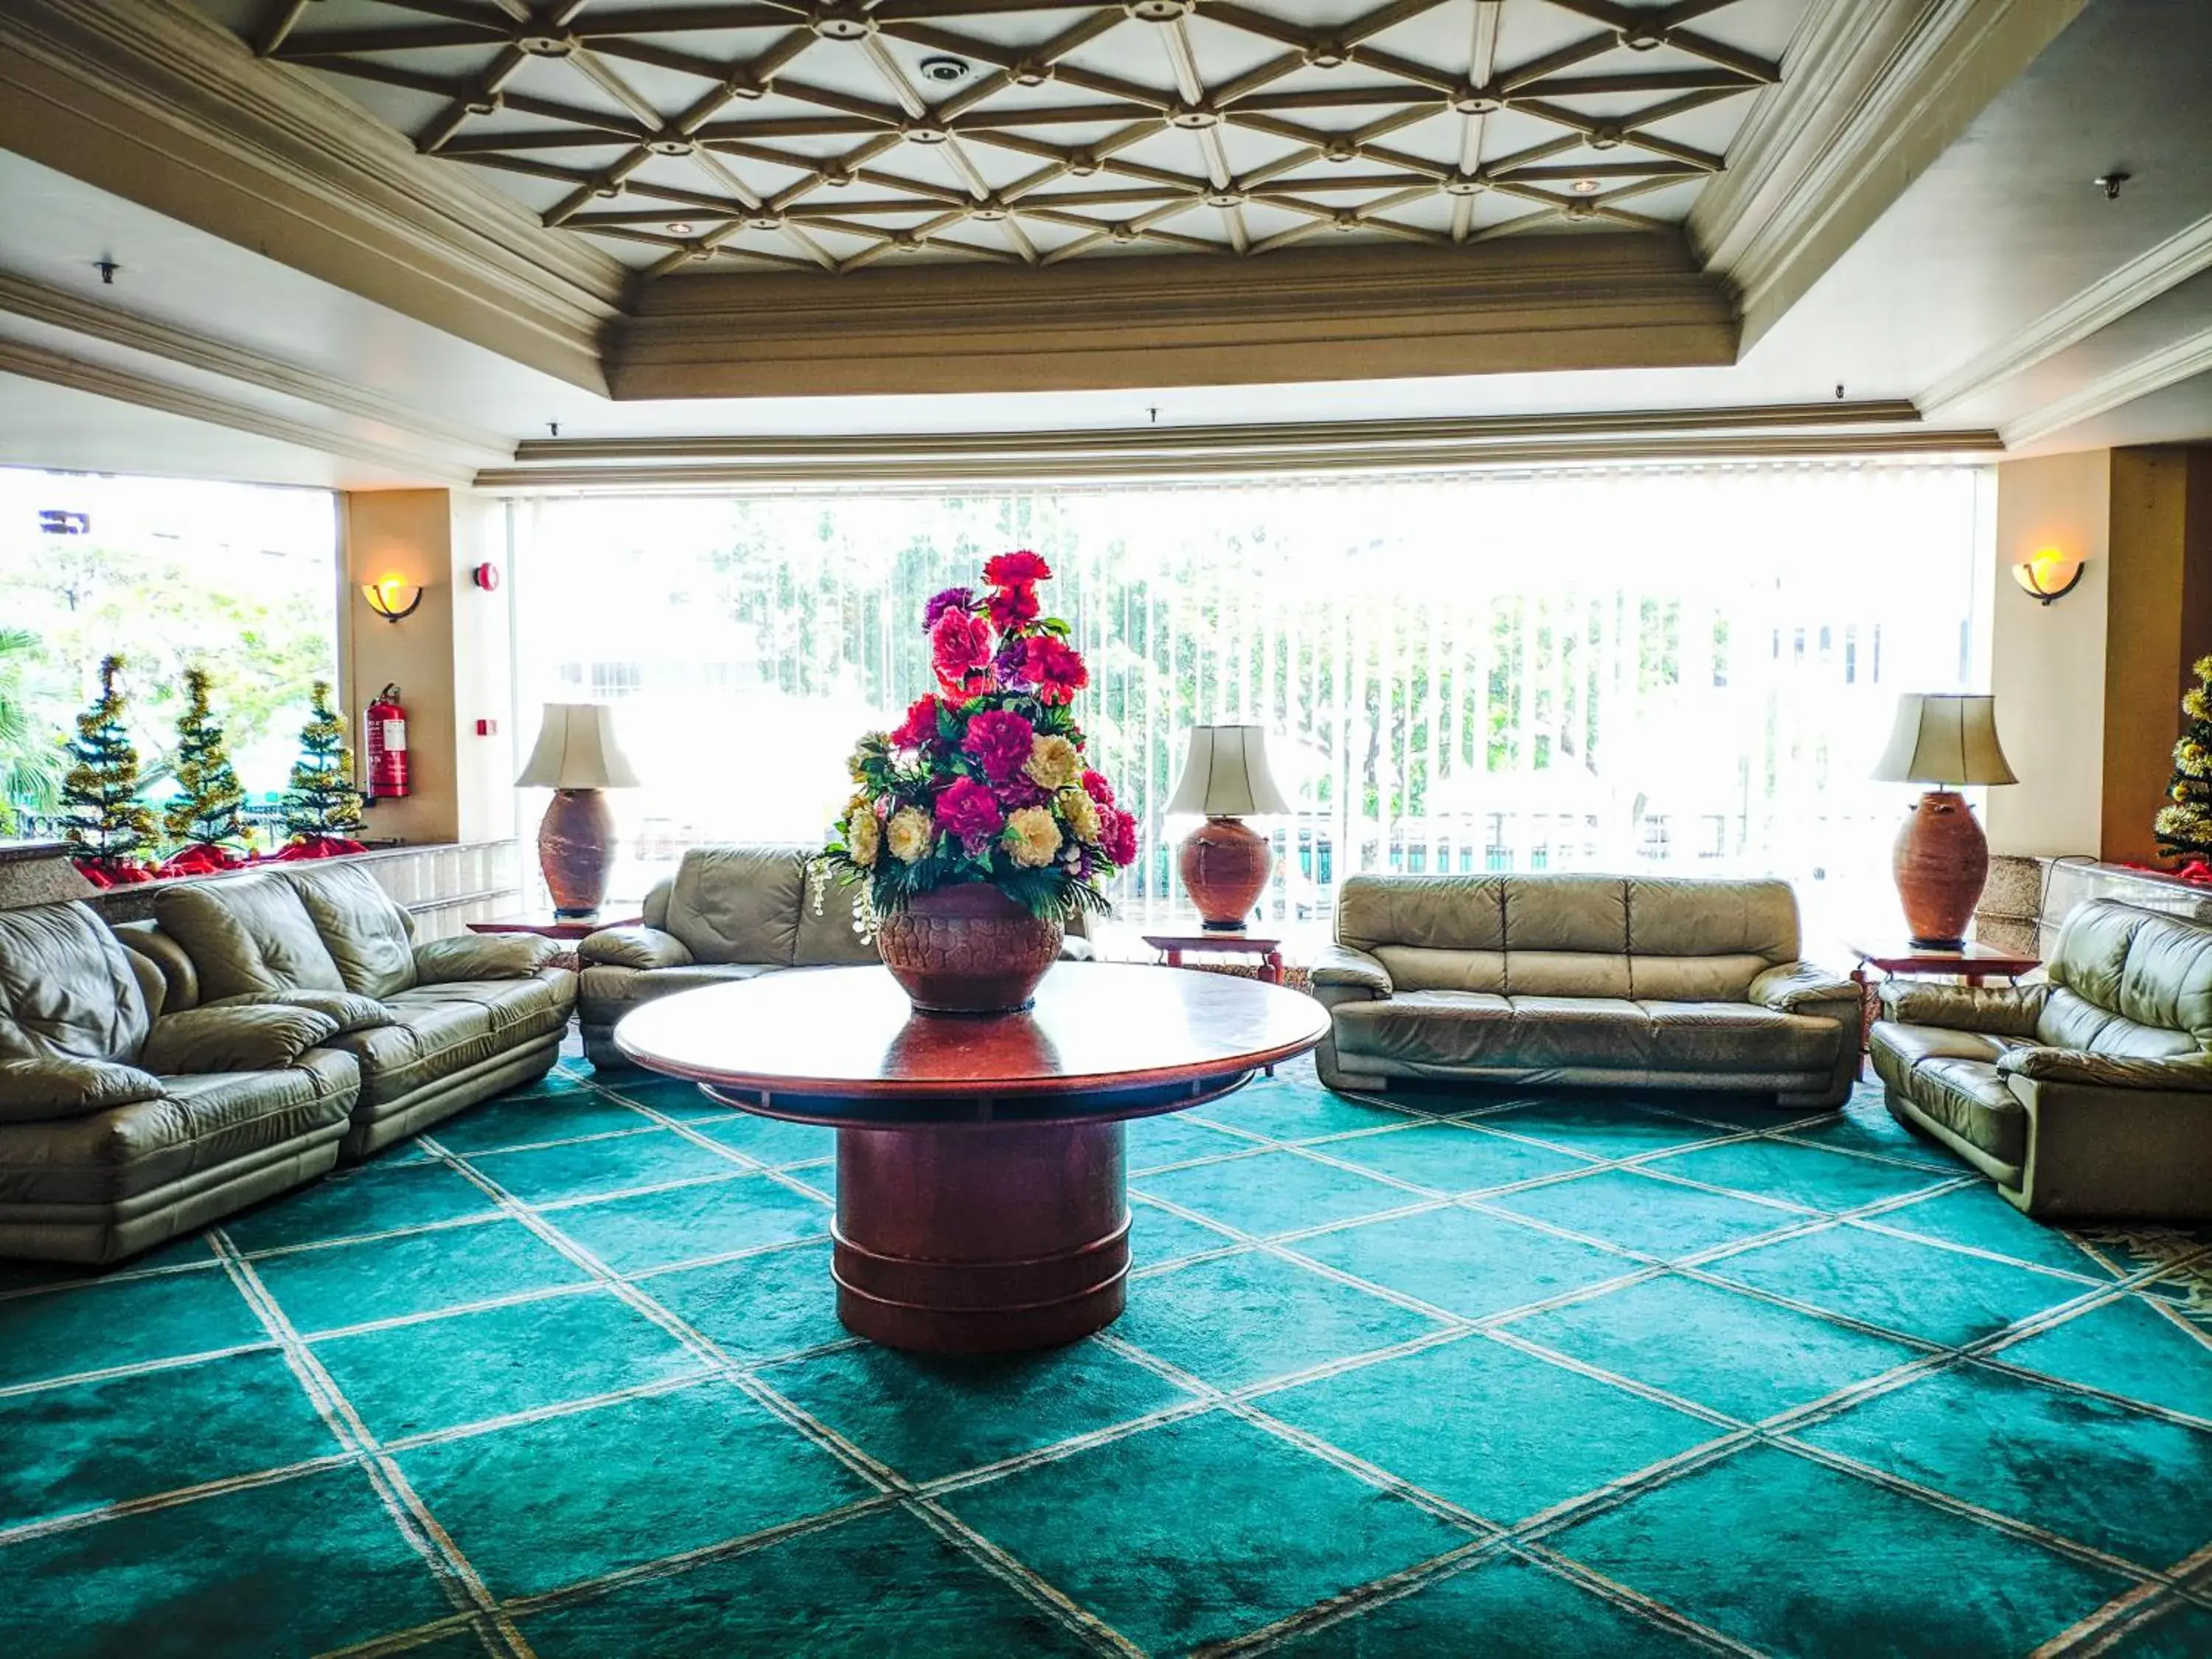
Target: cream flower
1033 835
1054 763
910 833
1081 813
863 836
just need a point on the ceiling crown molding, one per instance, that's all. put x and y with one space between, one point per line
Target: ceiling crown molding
1539 303
41 302
150 100
2105 301
2171 364
1873 92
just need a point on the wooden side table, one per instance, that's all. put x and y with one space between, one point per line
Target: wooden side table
1173 946
1974 963
568 929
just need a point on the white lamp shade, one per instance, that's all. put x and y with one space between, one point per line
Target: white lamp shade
1944 738
1226 775
576 750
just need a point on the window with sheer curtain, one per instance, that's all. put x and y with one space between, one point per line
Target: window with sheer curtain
1686 670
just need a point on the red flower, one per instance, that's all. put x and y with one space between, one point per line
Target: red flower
960 646
1056 667
1118 834
1011 607
1017 570
1095 786
1000 742
969 810
921 724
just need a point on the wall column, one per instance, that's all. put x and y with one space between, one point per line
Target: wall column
451 659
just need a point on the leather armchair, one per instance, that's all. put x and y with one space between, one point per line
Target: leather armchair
2088 1098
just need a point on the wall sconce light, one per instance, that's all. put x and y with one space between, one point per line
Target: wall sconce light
2049 573
393 598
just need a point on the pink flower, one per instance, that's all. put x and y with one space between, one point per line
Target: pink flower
1056 667
919 725
1021 569
1117 836
969 810
960 646
1095 786
1000 742
1011 607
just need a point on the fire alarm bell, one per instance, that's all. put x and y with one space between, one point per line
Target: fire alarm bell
487 728
485 577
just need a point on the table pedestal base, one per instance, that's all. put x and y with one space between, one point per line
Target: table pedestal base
974 1240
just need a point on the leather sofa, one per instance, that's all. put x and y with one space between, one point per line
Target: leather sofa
124 1122
1603 981
728 912
432 1028
2089 1097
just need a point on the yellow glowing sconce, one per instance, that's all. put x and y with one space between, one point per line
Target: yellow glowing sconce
2049 573
393 598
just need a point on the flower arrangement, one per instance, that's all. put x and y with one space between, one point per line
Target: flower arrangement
984 780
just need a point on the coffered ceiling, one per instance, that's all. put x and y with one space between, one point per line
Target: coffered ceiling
779 134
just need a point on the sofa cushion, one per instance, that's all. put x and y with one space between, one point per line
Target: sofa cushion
1420 968
198 1123
1428 1028
2167 981
605 994
242 1037
1597 1033
247 933
59 1085
1729 920
828 940
1739 1036
67 987
541 1003
739 903
364 929
1690 979
428 1042
1434 913
2070 1020
1571 914
1969 1098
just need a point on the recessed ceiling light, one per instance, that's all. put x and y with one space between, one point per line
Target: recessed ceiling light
680 227
1584 187
944 71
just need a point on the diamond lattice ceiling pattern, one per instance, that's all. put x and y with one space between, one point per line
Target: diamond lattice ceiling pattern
767 135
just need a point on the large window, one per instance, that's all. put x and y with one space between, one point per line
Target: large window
1686 670
165 574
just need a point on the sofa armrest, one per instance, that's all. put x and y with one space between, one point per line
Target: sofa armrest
353 1013
2012 1013
1792 986
1348 970
642 948
33 1090
267 1038
484 956
2184 1074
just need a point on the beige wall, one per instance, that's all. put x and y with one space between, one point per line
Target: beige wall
2047 662
451 659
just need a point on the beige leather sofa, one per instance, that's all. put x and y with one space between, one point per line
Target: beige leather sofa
433 1027
728 912
2089 1097
123 1123
1582 981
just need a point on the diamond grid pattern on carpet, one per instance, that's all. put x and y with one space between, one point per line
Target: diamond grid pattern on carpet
1573 1375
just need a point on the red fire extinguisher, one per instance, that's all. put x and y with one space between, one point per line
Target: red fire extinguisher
385 742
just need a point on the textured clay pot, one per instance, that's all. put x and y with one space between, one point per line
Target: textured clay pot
1224 866
968 950
576 849
1941 860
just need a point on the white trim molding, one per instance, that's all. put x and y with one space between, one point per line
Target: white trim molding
2105 301
1872 93
2171 364
159 104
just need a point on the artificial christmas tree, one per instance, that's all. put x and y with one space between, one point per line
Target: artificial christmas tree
322 809
2183 826
103 817
204 814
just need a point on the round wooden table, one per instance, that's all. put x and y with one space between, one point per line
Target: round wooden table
982 1202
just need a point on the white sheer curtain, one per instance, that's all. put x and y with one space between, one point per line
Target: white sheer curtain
1685 669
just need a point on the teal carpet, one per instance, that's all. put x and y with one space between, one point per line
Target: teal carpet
1447 1376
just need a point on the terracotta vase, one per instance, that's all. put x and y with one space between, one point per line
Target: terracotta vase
1941 860
576 850
968 950
1224 866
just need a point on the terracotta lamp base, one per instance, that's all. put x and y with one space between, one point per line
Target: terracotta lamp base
576 851
1224 867
1941 860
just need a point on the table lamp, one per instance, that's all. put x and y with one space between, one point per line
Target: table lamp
1224 864
577 758
1941 858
